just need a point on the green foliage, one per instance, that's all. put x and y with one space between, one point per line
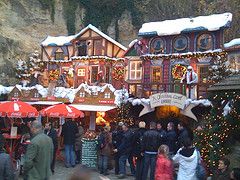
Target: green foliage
102 13
220 132
50 5
69 10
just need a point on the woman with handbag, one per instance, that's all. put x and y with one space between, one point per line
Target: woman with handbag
187 158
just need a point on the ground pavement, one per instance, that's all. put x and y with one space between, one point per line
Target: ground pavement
63 173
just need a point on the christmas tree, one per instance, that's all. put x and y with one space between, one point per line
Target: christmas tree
27 70
222 122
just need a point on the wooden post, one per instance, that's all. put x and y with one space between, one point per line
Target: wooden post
92 123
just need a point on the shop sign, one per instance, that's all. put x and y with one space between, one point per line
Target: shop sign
168 99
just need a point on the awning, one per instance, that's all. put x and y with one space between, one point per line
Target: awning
44 102
92 107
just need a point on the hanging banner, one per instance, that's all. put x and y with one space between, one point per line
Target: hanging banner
168 99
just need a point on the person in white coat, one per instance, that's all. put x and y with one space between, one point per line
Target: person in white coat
187 159
191 78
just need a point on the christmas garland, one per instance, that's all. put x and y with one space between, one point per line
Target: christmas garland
118 73
54 75
178 71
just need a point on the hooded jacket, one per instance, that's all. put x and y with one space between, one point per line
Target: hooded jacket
187 165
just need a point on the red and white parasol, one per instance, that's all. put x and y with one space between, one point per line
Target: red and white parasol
17 109
62 110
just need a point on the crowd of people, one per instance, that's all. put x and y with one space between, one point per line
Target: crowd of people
168 154
152 153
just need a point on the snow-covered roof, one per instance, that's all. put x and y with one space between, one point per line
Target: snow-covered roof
234 42
66 40
90 26
172 27
57 40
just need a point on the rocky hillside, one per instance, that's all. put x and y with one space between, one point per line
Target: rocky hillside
25 23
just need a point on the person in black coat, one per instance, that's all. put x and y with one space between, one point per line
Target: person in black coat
183 134
117 136
69 131
150 144
52 133
124 150
171 139
162 132
137 143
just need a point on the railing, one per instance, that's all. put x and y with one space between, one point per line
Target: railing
144 90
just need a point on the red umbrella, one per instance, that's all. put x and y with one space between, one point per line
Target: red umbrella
17 109
62 110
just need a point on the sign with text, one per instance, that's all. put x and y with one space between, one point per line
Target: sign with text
89 153
167 99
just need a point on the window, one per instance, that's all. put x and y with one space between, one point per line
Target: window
16 94
203 73
82 48
82 94
158 46
36 95
135 70
81 72
156 74
107 95
204 42
59 56
180 44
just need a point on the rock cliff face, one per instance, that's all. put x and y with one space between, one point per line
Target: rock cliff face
25 23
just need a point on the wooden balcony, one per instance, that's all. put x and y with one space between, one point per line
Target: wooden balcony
141 90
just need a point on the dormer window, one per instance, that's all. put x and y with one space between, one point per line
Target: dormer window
36 95
95 93
59 56
82 94
107 95
82 48
16 94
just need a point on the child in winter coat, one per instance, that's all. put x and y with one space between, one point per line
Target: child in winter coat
164 166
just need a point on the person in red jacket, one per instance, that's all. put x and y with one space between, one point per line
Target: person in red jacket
164 166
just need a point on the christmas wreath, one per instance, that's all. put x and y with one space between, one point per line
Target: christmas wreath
118 73
178 71
54 75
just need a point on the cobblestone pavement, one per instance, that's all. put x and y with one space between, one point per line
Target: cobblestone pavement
63 173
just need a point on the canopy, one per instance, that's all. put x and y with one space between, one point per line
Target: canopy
93 107
17 109
62 110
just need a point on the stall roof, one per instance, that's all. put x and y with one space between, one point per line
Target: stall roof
92 107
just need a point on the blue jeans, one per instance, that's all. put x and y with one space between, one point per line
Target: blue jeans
149 160
69 155
103 163
122 164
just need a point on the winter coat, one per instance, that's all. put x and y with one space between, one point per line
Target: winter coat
78 140
69 131
6 167
53 135
125 147
183 134
171 140
151 141
137 141
164 168
218 175
187 165
38 158
117 138
163 135
106 144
